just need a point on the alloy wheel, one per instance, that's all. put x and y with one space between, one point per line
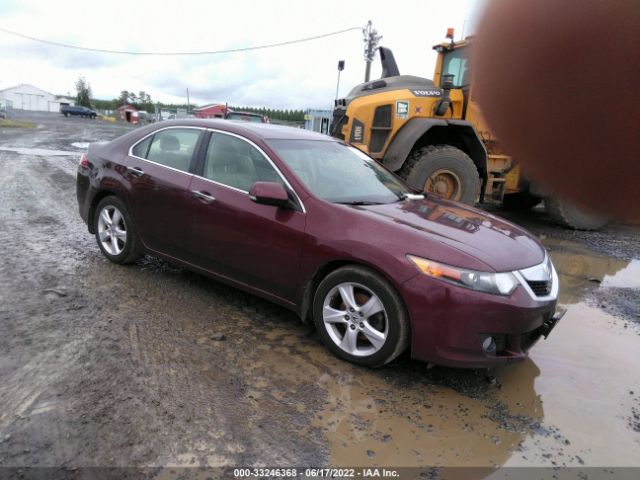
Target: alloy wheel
355 319
112 230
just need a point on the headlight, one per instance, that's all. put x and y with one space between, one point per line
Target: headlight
496 283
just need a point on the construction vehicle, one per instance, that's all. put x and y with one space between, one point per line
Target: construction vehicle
432 134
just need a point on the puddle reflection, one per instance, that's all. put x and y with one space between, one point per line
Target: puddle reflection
582 271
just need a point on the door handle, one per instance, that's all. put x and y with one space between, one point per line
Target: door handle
203 196
137 171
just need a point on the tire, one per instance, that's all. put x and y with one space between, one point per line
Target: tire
66 114
520 201
120 245
569 215
377 337
451 173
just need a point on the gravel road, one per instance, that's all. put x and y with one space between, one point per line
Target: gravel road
151 365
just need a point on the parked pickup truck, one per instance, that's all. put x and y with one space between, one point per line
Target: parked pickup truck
67 110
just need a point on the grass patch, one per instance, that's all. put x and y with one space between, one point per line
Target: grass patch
5 123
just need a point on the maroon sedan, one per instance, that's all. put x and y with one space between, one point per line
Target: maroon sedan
318 227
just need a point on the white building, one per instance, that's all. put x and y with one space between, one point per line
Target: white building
28 97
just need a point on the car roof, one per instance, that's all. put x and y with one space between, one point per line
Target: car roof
264 131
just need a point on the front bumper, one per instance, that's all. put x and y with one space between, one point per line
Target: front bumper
449 323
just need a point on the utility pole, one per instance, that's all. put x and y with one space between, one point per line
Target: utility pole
188 106
371 39
340 68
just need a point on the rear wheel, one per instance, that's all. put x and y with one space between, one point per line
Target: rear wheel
360 317
115 231
567 214
443 170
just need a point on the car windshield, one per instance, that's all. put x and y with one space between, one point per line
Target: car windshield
244 117
338 173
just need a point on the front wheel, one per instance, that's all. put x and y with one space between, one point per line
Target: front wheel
360 317
115 232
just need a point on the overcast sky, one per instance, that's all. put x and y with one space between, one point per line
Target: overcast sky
297 76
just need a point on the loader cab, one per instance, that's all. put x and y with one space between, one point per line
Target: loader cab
453 60
456 62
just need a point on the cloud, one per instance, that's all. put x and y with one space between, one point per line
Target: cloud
297 76
56 56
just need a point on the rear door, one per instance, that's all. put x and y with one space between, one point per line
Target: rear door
233 236
159 172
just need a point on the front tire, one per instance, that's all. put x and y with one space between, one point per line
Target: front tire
115 231
443 170
361 317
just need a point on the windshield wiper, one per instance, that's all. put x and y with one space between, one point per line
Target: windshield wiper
359 202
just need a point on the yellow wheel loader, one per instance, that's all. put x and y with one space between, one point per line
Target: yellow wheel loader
432 134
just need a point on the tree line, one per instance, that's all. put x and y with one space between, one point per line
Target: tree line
274 114
143 101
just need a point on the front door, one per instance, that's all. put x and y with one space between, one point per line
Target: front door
233 236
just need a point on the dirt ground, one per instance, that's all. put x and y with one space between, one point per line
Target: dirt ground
151 365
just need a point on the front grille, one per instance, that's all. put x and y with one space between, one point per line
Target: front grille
381 128
540 288
340 119
382 116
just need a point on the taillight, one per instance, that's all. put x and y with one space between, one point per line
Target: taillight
84 161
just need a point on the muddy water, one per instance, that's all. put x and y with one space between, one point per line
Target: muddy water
562 406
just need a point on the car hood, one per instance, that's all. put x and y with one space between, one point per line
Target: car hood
499 244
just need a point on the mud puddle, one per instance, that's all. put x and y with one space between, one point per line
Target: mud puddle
605 282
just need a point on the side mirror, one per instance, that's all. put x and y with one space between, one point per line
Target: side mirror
269 193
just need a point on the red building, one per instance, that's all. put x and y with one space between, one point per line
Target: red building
128 113
212 111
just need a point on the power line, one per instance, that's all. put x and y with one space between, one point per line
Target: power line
213 52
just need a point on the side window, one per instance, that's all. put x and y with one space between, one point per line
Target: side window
142 149
234 162
174 147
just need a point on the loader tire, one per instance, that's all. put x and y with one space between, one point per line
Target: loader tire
568 215
443 170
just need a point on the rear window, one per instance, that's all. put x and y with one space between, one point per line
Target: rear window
173 147
142 149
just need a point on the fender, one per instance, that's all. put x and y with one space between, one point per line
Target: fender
405 139
458 131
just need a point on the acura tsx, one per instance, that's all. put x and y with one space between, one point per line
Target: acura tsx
317 226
